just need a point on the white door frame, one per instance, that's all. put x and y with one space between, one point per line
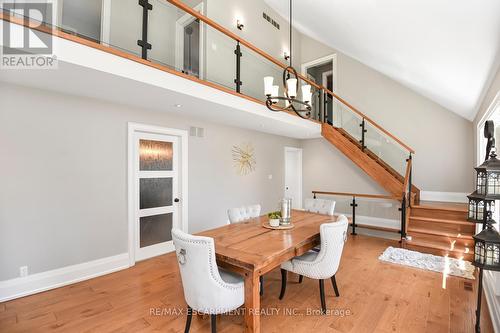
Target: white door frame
179 39
299 150
183 188
322 61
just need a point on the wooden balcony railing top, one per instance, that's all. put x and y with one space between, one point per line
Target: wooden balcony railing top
244 42
182 6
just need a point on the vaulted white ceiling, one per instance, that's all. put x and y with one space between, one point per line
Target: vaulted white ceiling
446 50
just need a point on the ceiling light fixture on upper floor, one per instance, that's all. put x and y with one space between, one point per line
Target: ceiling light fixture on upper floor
177 105
291 86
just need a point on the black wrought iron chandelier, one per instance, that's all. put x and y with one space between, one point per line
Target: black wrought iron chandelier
291 87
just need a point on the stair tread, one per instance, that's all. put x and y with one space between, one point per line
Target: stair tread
454 234
432 219
438 205
440 246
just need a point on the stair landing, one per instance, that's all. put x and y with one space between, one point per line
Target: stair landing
456 206
441 228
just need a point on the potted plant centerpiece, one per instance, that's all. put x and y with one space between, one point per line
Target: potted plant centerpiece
274 219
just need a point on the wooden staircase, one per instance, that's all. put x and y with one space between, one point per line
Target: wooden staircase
367 161
440 228
432 227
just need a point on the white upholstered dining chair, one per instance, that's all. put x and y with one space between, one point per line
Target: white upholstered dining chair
323 264
240 214
207 288
320 206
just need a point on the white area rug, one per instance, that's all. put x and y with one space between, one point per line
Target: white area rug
449 266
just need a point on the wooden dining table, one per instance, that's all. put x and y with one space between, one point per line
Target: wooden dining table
249 249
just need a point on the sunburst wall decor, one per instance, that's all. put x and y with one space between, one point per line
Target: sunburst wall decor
244 158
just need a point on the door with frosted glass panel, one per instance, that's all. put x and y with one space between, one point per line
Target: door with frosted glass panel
157 203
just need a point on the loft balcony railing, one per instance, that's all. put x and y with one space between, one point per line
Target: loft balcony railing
152 32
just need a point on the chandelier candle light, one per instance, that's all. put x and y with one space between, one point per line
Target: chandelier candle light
291 85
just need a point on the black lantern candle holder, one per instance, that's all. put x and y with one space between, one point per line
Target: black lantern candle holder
488 177
486 257
478 207
481 207
487 248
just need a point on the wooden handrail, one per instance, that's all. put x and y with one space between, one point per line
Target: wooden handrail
371 121
179 4
359 195
58 32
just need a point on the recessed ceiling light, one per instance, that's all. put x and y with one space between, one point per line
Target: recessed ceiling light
177 105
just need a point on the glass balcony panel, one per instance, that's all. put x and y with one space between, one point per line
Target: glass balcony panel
123 27
220 60
167 33
346 119
386 149
254 68
82 18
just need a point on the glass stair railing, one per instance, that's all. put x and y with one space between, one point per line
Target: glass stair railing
171 35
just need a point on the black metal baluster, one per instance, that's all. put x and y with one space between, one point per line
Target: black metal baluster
143 43
363 131
403 217
237 81
410 180
319 105
354 205
325 107
478 309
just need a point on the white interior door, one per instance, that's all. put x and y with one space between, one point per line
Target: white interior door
293 176
156 193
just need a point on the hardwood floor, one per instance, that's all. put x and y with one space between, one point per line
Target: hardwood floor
374 297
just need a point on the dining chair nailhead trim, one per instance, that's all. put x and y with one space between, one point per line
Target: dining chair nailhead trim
210 254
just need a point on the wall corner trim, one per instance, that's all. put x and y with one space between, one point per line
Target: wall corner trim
443 196
492 299
32 284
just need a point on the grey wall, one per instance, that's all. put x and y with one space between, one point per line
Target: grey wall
443 141
257 30
63 160
220 58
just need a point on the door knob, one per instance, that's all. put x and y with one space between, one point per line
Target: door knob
176 200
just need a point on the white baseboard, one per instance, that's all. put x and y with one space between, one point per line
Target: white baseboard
493 300
443 196
32 284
